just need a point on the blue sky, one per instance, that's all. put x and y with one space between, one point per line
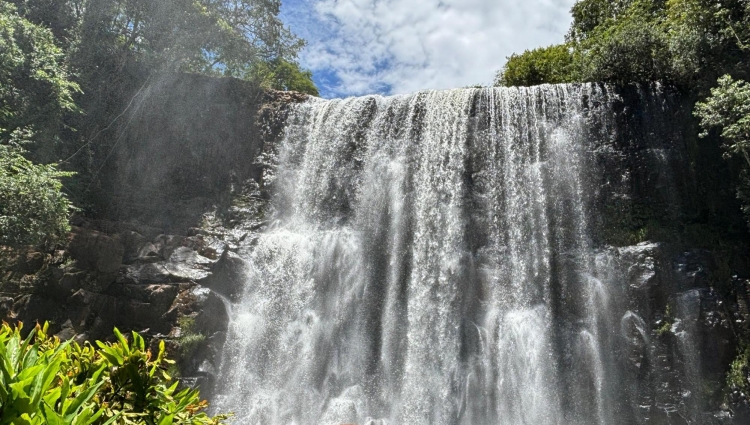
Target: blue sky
358 47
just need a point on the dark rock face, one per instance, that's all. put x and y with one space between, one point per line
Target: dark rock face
95 251
180 191
87 290
190 138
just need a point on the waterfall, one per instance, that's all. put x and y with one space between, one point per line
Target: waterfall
430 259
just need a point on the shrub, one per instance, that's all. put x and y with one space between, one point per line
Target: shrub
33 209
551 65
46 381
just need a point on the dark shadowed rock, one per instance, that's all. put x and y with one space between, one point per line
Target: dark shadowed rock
93 250
228 276
641 264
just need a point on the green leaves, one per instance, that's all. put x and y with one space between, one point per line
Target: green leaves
550 65
683 42
33 209
36 89
728 109
44 381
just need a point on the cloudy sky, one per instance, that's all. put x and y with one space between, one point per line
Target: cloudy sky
398 46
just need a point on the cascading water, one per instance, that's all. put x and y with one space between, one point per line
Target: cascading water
430 260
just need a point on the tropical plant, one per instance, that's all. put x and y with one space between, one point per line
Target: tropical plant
33 388
46 381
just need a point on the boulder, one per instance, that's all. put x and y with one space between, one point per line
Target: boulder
228 276
97 251
640 263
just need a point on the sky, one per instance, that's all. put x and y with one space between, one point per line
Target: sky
358 47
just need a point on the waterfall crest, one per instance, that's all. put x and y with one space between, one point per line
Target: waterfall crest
431 260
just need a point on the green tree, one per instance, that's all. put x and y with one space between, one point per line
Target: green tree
728 109
34 96
630 47
36 91
33 209
591 14
284 75
550 65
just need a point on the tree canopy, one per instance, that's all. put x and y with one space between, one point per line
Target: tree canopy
36 89
70 67
688 43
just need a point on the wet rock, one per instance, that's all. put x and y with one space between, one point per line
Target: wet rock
691 269
33 308
641 264
228 276
6 308
160 297
70 282
145 274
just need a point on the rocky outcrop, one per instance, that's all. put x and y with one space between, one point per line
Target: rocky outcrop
186 191
127 280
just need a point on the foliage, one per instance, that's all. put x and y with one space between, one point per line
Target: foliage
281 74
190 338
589 15
738 377
44 381
117 49
728 109
551 65
34 386
629 48
684 42
36 90
33 209
666 322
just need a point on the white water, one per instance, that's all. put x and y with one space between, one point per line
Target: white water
430 262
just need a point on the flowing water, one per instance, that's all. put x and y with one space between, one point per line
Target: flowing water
430 261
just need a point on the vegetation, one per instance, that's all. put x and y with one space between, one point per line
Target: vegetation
33 209
738 378
72 68
46 381
688 43
550 65
36 90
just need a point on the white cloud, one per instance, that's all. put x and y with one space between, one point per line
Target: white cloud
401 46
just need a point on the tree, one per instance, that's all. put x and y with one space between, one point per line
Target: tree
35 94
728 109
628 48
591 14
36 91
550 65
33 209
284 75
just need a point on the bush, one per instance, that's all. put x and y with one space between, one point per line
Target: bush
551 65
33 209
45 381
